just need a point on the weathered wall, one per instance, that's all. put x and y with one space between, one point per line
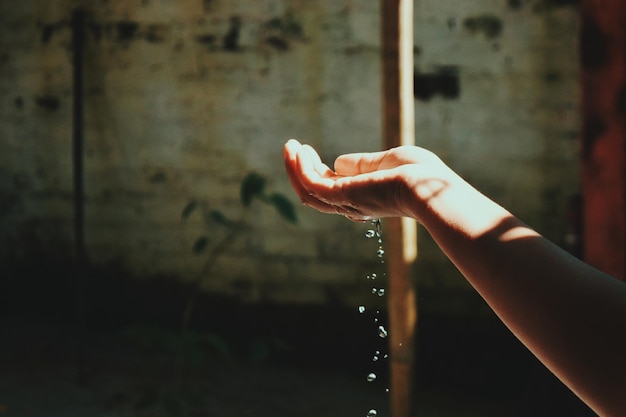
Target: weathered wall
183 98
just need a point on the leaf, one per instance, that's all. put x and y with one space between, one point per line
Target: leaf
200 245
252 186
189 208
284 207
219 217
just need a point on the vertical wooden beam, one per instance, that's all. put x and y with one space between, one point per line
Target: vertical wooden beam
603 56
401 239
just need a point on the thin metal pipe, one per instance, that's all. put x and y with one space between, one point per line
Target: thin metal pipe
78 32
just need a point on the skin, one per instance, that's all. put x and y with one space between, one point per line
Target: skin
569 314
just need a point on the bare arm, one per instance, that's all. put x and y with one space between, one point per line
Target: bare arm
570 315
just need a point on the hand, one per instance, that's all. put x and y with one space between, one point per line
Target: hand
365 186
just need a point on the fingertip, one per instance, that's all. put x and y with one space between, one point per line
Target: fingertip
292 143
291 146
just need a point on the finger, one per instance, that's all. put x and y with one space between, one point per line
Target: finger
358 163
315 177
321 168
290 152
295 158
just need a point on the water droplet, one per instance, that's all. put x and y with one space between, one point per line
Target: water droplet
386 356
376 320
380 252
371 377
361 309
387 390
381 292
372 413
374 290
375 358
378 226
373 276
377 352
382 332
370 234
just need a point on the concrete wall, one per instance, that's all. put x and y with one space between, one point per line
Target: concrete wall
183 98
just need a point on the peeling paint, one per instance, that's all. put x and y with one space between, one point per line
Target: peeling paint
207 5
445 83
49 103
49 29
206 39
158 178
126 30
277 43
156 33
280 31
230 42
487 24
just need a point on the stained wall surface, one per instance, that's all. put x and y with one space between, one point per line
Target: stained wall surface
183 99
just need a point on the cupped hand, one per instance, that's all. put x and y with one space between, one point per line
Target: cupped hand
365 186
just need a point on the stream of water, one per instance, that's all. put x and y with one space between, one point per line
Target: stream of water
377 279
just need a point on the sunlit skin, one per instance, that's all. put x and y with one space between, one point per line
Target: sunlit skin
570 315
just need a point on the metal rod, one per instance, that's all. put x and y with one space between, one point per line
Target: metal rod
78 31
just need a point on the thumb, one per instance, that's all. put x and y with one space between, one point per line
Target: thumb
358 163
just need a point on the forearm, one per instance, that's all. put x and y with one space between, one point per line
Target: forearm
567 313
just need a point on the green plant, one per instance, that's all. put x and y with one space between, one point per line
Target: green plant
189 349
253 188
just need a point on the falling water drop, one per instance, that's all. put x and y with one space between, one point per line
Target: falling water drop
371 377
382 332
375 358
374 290
380 252
377 225
372 413
381 292
361 309
373 276
370 234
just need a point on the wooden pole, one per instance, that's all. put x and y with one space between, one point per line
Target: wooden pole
603 56
400 233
